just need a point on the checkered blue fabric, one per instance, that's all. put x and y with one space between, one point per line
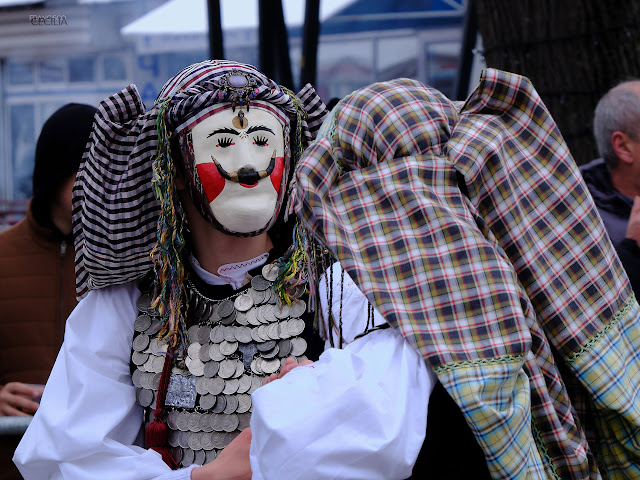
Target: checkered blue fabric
471 230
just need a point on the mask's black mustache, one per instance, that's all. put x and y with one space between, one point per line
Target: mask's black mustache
247 174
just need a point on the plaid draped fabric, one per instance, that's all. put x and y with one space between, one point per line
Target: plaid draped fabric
115 211
472 231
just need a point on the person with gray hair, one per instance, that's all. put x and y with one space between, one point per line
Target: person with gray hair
614 179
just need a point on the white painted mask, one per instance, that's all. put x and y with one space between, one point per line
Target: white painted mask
239 159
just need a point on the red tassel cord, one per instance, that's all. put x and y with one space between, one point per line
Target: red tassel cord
156 434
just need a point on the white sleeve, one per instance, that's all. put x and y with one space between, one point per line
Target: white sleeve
357 413
88 418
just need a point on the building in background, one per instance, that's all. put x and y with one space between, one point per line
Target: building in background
59 51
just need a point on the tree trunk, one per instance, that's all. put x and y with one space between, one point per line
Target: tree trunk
572 50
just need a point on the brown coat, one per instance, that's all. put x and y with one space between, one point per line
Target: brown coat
37 294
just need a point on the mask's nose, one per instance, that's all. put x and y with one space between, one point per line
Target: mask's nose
248 174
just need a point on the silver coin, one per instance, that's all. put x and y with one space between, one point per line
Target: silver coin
225 308
202 386
211 369
244 420
216 386
148 365
231 386
192 331
230 334
260 283
266 346
239 369
188 456
203 354
193 420
216 421
283 330
255 335
270 271
172 418
244 384
272 331
262 331
214 353
174 436
227 348
243 302
206 423
243 334
196 367
217 334
183 439
139 358
214 316
158 347
140 342
298 346
241 318
255 366
146 379
258 296
136 378
281 312
284 348
264 313
142 323
227 368
210 455
271 353
297 308
155 381
270 314
194 442
219 406
301 358
233 421
207 401
182 421
144 302
203 334
256 382
194 350
145 397
293 326
199 458
244 403
230 319
205 440
157 364
270 366
218 439
252 317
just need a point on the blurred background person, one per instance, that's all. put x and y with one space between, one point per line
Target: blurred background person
37 279
614 179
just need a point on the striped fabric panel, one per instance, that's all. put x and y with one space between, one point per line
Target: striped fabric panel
470 229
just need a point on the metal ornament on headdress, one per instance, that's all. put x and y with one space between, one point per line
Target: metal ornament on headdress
238 88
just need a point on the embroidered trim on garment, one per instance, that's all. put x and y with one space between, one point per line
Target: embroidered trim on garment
543 450
480 361
614 321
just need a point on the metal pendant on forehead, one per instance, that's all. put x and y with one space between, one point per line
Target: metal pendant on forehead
234 344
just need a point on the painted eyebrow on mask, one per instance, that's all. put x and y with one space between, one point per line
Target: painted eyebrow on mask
258 128
223 130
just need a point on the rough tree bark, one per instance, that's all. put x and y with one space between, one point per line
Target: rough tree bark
572 50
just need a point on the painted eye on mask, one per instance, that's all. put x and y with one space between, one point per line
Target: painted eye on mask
261 141
225 142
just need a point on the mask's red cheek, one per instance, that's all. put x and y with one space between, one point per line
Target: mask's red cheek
276 175
212 181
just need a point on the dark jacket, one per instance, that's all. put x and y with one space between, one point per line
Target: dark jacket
37 294
615 209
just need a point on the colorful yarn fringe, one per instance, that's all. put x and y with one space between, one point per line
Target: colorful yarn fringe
167 253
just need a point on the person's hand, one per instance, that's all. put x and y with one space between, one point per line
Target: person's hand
16 399
231 464
633 227
289 365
